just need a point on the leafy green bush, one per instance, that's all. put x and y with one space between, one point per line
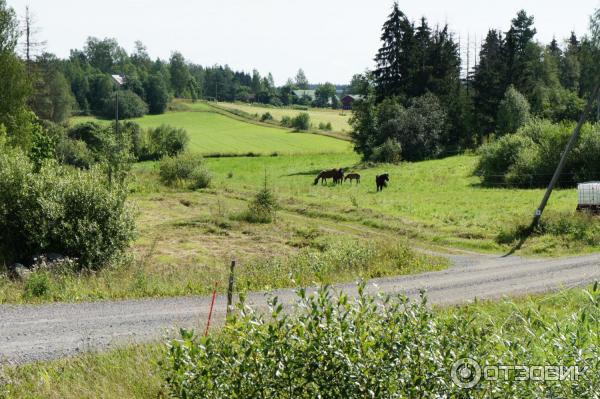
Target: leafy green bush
266 117
325 126
529 157
130 106
62 210
164 141
184 169
389 152
37 285
286 121
75 153
96 136
514 112
200 178
301 121
370 347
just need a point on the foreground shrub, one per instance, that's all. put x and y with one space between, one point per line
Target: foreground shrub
529 157
184 169
61 210
368 347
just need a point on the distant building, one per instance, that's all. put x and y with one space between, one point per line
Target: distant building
348 100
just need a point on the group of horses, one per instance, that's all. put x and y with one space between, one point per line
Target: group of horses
339 177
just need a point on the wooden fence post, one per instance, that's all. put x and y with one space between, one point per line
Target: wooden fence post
230 288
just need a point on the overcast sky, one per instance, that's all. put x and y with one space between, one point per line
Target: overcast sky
330 39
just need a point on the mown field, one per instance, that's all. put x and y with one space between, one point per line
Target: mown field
212 133
338 118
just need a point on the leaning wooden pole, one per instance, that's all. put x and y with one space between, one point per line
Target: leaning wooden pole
230 289
563 160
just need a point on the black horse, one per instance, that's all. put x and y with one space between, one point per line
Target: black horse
336 174
382 181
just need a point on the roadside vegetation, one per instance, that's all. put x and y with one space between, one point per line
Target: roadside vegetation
152 370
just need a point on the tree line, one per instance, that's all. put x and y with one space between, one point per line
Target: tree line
417 105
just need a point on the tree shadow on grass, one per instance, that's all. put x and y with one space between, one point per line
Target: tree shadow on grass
315 172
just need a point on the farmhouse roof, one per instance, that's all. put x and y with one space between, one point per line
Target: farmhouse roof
355 96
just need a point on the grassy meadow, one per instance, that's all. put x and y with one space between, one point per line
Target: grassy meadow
337 117
186 238
212 133
437 202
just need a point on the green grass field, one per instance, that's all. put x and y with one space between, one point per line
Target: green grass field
213 133
439 202
337 118
186 238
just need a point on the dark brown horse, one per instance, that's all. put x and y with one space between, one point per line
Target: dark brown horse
382 181
353 176
336 174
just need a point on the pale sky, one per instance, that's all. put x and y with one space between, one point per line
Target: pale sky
330 39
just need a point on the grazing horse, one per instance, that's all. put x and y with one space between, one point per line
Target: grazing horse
381 181
339 177
353 176
336 174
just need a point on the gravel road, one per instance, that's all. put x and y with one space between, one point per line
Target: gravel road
34 333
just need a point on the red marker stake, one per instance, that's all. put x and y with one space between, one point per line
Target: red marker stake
212 305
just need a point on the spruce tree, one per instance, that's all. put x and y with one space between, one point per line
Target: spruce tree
490 81
395 58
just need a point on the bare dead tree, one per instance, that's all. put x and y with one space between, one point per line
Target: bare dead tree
31 46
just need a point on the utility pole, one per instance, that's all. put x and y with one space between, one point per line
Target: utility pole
563 160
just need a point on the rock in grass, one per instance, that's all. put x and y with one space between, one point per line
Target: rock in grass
20 272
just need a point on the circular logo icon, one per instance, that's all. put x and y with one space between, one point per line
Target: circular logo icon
466 373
